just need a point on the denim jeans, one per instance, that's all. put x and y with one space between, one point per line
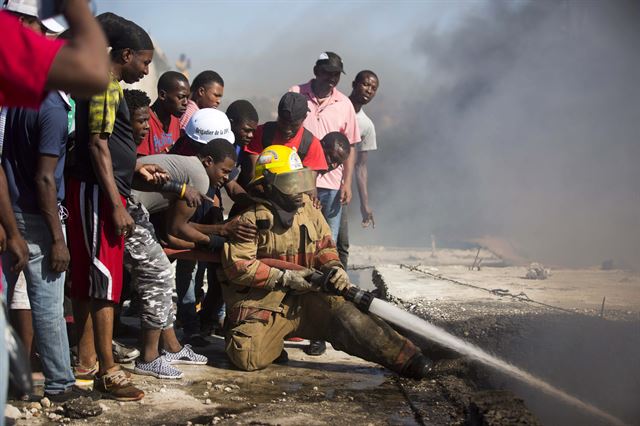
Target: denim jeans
4 366
186 304
331 209
46 295
342 243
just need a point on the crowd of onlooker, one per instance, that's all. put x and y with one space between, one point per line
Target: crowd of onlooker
97 182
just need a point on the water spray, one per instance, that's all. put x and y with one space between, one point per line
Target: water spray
367 302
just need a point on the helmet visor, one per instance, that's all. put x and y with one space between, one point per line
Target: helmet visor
294 182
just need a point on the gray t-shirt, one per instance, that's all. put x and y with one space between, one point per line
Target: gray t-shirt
182 169
367 132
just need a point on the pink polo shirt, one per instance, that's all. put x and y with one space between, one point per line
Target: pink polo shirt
192 108
335 114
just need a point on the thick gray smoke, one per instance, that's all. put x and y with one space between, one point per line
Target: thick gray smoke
526 127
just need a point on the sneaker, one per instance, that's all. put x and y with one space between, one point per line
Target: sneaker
185 356
85 375
38 378
159 368
116 385
71 393
123 354
316 348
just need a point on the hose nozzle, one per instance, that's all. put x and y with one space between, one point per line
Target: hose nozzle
361 298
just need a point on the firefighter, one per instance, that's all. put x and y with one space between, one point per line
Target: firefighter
266 304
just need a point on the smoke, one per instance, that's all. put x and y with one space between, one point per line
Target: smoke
525 127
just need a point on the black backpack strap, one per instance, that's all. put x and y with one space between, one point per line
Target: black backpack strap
268 133
305 144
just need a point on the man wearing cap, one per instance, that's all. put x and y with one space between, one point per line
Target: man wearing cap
330 111
164 122
206 124
31 64
265 304
289 131
208 168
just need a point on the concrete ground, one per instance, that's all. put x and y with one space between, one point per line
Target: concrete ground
551 327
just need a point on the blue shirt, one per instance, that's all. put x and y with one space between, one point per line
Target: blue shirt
29 134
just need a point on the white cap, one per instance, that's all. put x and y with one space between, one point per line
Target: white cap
208 124
26 7
54 25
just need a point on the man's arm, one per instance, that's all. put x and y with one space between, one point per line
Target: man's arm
151 183
234 229
48 203
81 67
15 244
234 190
103 168
181 234
361 181
248 167
347 177
241 266
325 256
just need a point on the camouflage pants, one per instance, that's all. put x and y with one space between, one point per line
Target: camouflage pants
151 272
257 340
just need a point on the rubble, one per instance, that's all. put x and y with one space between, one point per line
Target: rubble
499 408
34 406
12 412
45 402
537 271
81 408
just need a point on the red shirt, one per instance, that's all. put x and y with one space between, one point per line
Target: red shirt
314 159
157 140
25 60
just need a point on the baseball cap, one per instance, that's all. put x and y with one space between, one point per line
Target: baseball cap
31 8
208 124
54 25
26 7
293 106
330 61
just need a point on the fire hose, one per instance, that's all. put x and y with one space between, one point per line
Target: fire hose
361 298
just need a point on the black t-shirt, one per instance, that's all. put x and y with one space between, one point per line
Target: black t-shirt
121 146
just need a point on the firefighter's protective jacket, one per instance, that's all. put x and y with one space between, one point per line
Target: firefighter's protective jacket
250 287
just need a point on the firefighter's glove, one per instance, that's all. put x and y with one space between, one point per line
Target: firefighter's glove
296 280
339 279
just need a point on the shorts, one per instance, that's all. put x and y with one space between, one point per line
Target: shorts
97 253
